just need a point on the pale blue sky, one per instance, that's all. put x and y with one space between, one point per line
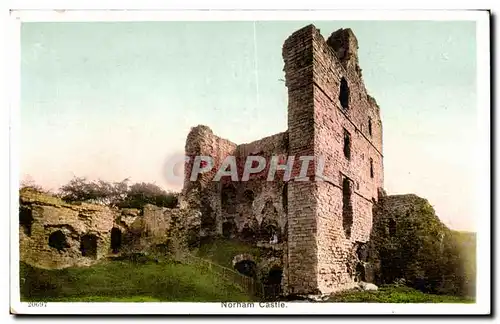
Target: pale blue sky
115 100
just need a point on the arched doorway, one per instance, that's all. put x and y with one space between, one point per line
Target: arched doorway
272 283
116 240
228 199
88 246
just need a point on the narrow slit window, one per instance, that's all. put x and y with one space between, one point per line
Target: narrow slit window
371 168
370 126
347 217
344 94
347 144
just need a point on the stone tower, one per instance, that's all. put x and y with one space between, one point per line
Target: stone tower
330 115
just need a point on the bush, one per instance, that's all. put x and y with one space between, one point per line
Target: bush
422 250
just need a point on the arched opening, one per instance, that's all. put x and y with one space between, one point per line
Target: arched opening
247 268
228 199
116 239
344 93
57 240
88 246
370 126
268 231
272 284
228 229
347 207
26 219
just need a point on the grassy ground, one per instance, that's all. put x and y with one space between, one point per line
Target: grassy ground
167 281
127 281
393 294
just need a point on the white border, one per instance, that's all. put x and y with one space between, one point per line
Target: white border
483 284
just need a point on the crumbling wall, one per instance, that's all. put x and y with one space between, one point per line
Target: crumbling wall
203 194
63 235
259 204
54 234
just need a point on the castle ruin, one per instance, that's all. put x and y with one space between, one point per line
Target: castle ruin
318 225
314 228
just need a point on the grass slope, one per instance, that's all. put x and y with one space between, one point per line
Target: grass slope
123 281
394 294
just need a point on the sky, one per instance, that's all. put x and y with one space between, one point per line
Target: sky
116 100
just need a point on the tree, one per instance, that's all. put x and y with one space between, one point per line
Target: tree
117 194
101 192
140 194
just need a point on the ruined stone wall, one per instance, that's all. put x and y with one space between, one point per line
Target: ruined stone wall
204 194
46 220
54 234
318 123
259 203
322 222
253 210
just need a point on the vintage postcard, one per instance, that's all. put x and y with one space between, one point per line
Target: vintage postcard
250 162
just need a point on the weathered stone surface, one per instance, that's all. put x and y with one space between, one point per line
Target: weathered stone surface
54 234
50 217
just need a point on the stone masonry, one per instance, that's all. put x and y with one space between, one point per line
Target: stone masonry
319 224
54 234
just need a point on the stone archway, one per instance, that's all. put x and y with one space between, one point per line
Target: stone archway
272 282
228 199
269 231
245 264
